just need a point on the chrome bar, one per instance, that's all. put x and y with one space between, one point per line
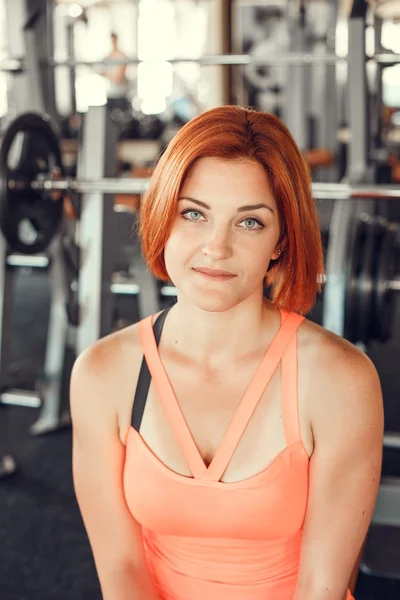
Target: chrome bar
106 185
325 191
37 261
394 285
15 397
289 58
391 440
11 64
387 508
342 191
125 288
169 290
386 58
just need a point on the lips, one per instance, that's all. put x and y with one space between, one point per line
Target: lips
214 272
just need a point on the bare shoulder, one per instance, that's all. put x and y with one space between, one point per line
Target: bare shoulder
333 360
104 379
108 356
344 392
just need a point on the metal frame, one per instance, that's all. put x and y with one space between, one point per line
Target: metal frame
335 281
26 93
7 280
97 285
324 100
358 105
297 97
7 275
95 231
5 335
53 414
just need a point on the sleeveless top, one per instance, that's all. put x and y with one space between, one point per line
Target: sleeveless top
208 539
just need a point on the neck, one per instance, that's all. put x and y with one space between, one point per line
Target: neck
212 339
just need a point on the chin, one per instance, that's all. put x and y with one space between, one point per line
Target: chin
213 307
208 300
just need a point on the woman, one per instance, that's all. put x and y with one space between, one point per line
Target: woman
248 466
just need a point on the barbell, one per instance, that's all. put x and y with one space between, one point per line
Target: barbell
33 187
230 60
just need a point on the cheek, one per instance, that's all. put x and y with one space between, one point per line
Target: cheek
182 240
257 248
256 258
174 244
175 251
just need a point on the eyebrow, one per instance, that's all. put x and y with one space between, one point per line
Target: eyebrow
240 209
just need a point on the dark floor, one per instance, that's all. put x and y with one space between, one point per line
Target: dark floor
44 552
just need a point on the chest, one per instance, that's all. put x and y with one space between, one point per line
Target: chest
208 403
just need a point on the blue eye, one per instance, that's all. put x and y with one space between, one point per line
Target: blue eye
257 222
190 211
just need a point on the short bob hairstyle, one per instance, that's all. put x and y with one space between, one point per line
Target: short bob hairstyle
229 133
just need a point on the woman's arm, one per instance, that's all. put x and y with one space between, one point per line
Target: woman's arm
98 460
347 423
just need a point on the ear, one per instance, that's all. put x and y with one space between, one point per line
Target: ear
279 249
277 252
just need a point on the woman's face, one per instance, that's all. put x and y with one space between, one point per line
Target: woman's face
226 219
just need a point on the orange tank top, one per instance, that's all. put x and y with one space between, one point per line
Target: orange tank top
203 538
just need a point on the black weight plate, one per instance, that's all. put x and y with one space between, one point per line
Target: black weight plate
355 250
387 269
366 282
30 218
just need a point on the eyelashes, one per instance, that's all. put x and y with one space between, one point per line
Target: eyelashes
187 211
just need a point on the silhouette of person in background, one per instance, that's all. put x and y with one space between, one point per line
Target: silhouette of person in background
116 74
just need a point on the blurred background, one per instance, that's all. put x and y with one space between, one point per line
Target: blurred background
112 82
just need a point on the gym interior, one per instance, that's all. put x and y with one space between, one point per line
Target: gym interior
91 92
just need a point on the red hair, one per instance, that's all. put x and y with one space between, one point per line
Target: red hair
234 132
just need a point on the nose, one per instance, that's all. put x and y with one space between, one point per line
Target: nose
218 246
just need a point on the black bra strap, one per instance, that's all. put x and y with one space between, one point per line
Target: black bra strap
144 379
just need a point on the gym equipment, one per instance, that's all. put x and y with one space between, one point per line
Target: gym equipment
362 274
47 393
29 219
365 282
39 183
372 266
355 254
386 270
288 58
353 261
321 191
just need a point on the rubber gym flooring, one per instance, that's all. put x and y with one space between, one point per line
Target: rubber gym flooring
44 551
